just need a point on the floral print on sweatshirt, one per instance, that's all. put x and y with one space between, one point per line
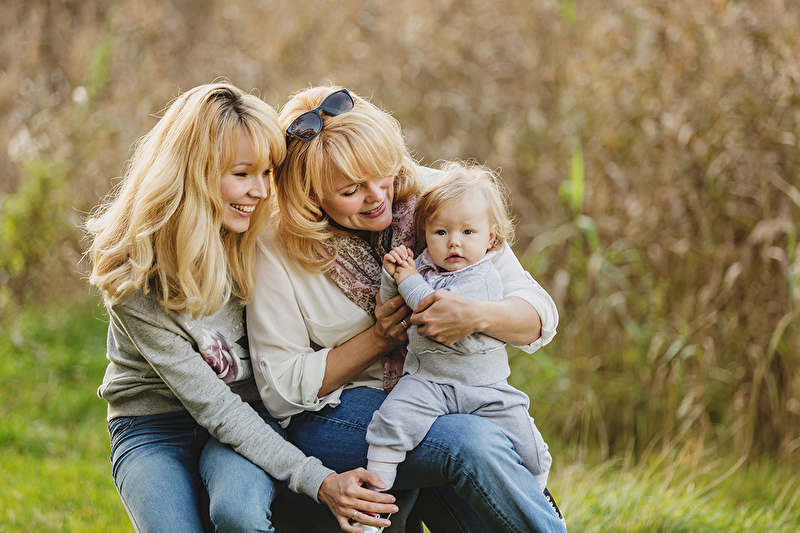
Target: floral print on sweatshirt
222 358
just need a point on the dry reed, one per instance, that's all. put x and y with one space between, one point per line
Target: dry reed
651 147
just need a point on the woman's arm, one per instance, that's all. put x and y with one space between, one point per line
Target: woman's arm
357 354
526 317
163 341
307 340
448 317
172 354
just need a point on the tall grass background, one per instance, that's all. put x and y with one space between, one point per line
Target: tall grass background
652 152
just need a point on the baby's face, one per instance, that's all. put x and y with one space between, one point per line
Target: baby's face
459 234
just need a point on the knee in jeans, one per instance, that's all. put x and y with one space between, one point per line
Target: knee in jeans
240 518
475 436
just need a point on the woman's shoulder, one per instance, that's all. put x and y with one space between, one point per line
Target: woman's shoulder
140 311
137 301
270 251
268 237
429 175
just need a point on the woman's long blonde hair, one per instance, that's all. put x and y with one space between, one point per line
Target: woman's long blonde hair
161 229
362 144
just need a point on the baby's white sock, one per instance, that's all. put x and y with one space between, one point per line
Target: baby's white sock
387 471
383 460
541 479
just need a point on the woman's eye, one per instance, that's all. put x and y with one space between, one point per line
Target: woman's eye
241 174
350 192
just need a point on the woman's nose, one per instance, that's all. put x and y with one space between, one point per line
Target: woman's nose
260 187
374 191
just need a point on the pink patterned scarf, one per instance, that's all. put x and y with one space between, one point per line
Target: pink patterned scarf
357 270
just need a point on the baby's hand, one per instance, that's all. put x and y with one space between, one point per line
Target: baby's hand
405 269
398 256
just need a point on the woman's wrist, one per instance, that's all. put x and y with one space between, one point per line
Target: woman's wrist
351 358
480 315
382 344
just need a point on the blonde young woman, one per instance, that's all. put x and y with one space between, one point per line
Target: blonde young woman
173 254
346 194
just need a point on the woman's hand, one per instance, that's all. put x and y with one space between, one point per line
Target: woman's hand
347 498
389 316
447 317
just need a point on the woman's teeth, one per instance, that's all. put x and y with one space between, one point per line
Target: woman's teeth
372 211
244 208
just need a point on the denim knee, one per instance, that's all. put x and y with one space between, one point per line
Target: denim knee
471 440
230 518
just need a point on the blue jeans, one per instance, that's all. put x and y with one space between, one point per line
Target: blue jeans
173 476
466 452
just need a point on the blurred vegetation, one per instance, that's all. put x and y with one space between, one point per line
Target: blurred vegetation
651 147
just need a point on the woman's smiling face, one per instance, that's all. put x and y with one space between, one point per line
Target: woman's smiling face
243 187
363 206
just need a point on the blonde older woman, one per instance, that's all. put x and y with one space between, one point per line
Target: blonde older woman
324 350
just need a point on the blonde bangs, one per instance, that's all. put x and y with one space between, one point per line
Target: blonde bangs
364 144
359 145
268 140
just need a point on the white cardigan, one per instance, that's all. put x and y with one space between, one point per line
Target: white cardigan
296 317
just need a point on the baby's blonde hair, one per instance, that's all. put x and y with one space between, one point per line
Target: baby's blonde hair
161 229
463 179
360 145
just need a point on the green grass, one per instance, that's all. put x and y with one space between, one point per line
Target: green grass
54 467
55 476
678 491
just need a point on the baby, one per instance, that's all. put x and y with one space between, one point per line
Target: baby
463 220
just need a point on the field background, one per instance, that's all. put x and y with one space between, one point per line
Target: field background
652 152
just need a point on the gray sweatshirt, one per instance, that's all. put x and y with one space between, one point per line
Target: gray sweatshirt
162 362
476 360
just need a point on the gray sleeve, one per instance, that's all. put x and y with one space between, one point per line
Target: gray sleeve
414 288
171 353
388 286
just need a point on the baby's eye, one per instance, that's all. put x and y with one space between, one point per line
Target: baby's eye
441 232
468 232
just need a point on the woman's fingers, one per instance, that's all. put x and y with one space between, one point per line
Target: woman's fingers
346 497
389 320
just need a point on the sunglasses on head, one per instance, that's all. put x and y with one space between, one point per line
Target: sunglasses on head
309 124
